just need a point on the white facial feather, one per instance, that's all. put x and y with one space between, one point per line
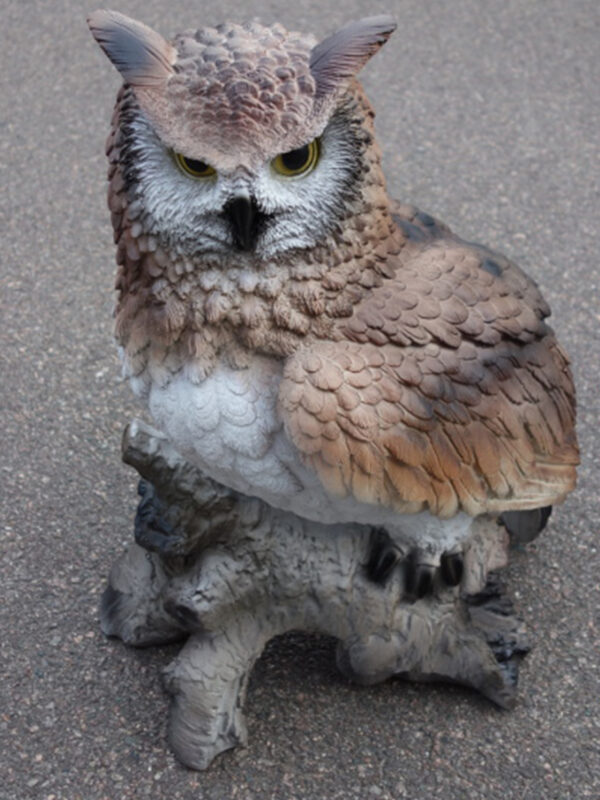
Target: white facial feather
185 212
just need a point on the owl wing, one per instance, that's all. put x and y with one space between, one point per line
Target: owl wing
445 390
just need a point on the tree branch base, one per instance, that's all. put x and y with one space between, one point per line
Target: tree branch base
229 572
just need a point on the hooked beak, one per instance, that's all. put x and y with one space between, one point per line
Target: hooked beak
244 216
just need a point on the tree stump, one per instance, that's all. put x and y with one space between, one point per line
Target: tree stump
229 573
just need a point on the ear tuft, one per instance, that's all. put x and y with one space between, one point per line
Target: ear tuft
140 54
340 56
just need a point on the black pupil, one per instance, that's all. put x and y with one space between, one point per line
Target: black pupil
295 159
195 166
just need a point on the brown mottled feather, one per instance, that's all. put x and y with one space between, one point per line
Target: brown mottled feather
468 408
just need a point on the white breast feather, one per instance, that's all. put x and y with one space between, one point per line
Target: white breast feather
229 427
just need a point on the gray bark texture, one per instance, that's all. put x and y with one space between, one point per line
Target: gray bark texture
229 573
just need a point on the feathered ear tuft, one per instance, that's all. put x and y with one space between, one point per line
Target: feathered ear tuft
141 55
344 53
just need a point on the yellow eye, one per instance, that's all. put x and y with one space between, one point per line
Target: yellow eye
297 162
197 169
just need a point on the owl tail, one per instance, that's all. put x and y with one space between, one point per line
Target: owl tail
524 526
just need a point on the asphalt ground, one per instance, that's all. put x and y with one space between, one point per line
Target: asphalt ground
489 117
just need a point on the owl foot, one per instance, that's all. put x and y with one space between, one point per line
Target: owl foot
420 575
383 556
452 568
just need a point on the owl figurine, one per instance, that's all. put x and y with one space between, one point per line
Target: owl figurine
298 335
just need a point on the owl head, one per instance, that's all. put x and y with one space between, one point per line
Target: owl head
243 141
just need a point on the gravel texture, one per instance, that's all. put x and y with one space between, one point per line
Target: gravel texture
488 114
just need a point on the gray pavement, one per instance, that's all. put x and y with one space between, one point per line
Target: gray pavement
489 117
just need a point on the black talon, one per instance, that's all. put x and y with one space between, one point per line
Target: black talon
383 556
423 580
452 568
419 578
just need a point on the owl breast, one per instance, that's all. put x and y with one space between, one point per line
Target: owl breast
228 425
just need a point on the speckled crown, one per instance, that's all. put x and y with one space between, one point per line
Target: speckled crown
242 79
237 93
